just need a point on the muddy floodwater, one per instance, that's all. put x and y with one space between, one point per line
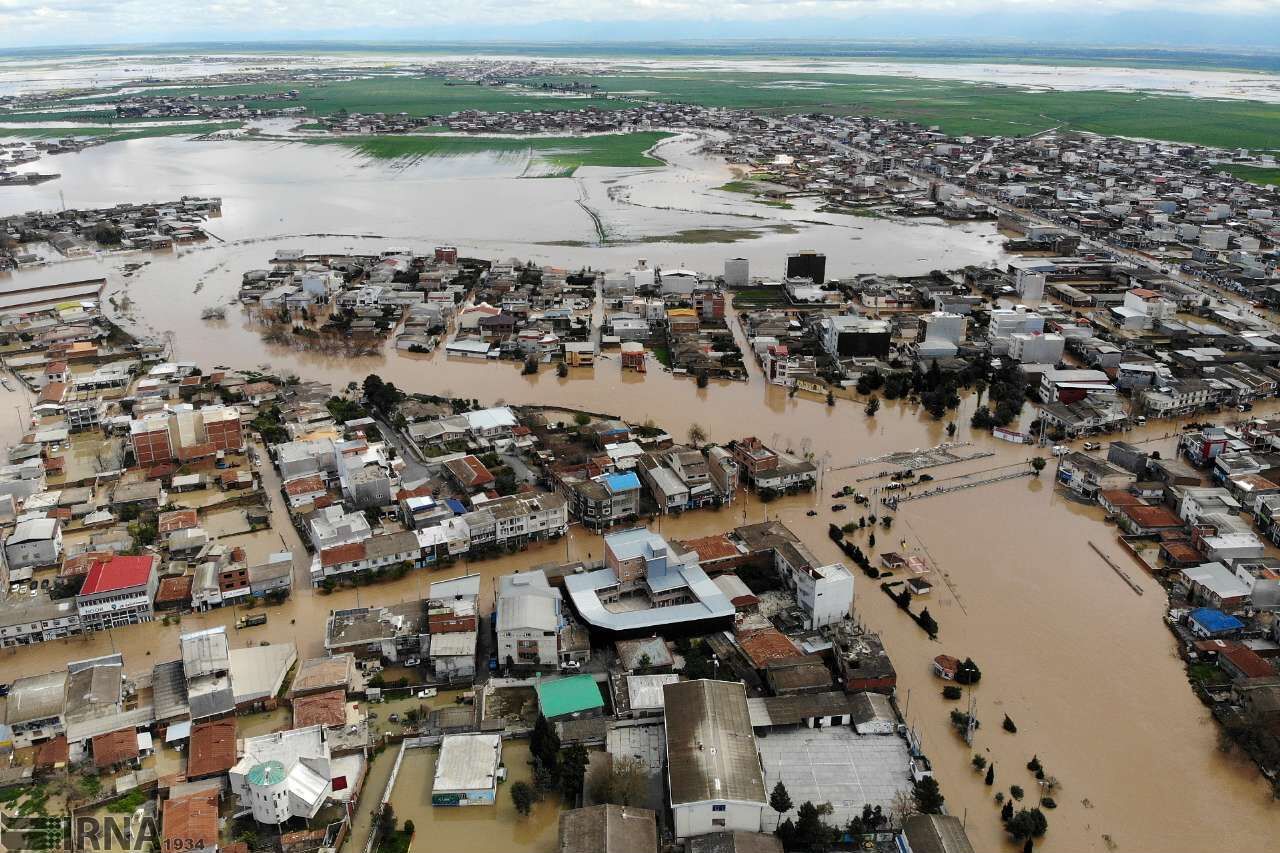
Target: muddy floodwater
476 829
1081 663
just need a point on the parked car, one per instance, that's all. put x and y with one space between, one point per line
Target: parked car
1091 445
838 507
1061 450
429 693
393 718
571 665
412 662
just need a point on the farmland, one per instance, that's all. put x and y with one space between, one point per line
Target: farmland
548 156
960 108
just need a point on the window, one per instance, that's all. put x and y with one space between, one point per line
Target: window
717 821
721 807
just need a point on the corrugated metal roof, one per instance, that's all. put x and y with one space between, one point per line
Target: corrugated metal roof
711 750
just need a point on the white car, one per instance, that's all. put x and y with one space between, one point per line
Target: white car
1091 446
571 664
1061 450
429 693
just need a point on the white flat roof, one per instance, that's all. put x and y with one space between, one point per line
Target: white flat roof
467 763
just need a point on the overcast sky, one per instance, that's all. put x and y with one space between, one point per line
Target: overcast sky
1254 23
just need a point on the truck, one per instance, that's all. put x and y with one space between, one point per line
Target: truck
252 620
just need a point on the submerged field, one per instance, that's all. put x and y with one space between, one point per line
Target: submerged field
417 96
548 156
119 133
968 108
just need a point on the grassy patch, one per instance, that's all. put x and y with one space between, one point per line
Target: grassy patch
662 354
1253 174
755 297
1207 674
698 236
548 156
960 108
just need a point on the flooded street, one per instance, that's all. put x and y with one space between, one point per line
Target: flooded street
1082 665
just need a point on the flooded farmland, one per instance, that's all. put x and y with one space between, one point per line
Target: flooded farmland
1082 664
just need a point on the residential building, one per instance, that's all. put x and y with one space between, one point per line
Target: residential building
34 543
529 621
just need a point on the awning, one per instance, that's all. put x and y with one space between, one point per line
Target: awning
178 731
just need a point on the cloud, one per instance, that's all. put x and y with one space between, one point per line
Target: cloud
24 22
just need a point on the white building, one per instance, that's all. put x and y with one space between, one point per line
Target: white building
713 767
284 775
1007 321
529 620
825 592
944 326
35 542
737 272
1036 348
467 770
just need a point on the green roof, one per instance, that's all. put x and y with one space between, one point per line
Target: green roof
266 773
563 696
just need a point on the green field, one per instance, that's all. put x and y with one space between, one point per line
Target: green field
968 108
417 96
1253 174
549 156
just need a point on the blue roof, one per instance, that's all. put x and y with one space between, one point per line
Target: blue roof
621 482
1215 621
456 505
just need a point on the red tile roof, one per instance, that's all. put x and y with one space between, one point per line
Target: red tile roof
1250 664
342 554
178 519
766 646
1151 516
118 573
113 748
212 748
305 485
174 589
191 821
325 709
53 753
717 547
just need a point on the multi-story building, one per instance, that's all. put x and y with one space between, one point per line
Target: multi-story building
25 621
824 592
529 620
184 433
118 591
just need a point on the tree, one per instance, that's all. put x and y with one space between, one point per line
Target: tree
979 762
1009 726
562 370
573 764
544 744
387 820
1027 823
697 435
409 828
1006 812
811 833
928 797
780 800
644 662
1037 464
582 419
968 672
951 429
991 775
873 406
703 378
530 366
1016 792
524 796
831 398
